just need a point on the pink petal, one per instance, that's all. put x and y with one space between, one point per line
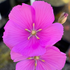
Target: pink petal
51 34
25 65
38 51
54 58
29 48
43 66
23 15
14 34
16 56
44 14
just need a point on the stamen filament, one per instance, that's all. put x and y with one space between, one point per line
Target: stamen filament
38 30
37 37
30 58
27 30
43 60
33 26
35 63
29 37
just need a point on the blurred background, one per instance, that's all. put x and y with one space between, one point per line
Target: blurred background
59 6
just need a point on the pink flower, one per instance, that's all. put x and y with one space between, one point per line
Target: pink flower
53 59
30 28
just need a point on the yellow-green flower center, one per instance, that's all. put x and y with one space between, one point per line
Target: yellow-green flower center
36 58
33 32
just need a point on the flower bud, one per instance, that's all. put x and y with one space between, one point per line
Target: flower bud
62 19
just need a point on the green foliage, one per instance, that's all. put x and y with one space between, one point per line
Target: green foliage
4 55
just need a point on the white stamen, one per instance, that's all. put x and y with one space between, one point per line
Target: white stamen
38 30
43 60
28 30
30 58
29 37
35 63
33 26
37 37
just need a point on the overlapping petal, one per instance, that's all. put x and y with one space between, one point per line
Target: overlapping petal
20 18
23 15
44 15
54 59
16 56
14 34
51 35
27 49
25 65
17 38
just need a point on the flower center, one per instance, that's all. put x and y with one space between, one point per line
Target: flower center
33 32
36 58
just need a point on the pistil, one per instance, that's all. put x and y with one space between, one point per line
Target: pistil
33 32
36 57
